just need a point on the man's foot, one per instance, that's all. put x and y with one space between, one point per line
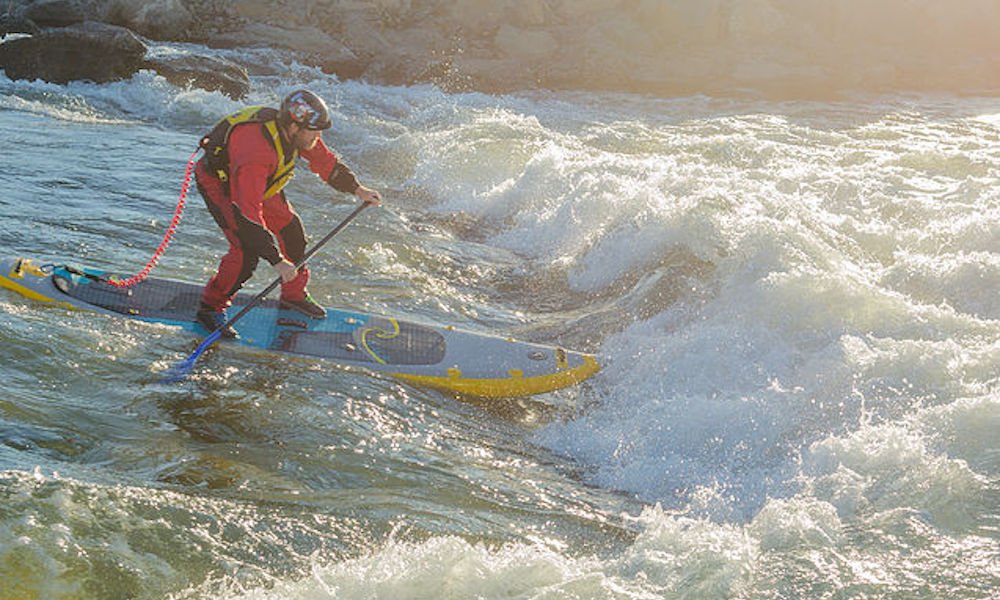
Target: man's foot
211 320
306 306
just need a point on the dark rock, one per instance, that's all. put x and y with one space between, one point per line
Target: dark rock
205 72
15 23
344 65
56 13
89 50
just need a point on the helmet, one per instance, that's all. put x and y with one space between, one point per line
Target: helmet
305 108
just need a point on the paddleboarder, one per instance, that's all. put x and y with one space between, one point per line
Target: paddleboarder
249 158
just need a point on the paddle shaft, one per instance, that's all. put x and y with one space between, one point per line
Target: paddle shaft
179 372
305 257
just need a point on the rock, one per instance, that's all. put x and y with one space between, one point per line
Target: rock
530 13
301 40
475 17
683 21
205 72
155 19
361 36
255 9
414 55
754 21
569 10
343 63
311 45
491 75
55 13
523 45
649 46
88 50
15 23
393 13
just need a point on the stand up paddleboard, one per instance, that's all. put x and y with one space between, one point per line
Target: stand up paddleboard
441 357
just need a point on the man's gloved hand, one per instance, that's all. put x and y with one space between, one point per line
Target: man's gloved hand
287 271
370 196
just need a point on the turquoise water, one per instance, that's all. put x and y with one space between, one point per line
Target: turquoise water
795 304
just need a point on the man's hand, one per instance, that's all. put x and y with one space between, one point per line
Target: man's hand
287 271
370 196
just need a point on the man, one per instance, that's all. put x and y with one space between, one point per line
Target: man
249 158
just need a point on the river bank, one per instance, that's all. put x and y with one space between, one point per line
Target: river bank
774 48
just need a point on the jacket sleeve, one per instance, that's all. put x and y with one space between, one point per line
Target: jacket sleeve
324 163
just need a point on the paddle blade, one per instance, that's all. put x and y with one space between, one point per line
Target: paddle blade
179 372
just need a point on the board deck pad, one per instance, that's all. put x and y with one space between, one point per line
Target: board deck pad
165 300
159 299
443 357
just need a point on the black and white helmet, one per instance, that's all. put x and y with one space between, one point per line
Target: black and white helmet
305 108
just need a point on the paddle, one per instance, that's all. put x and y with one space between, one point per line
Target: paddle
178 372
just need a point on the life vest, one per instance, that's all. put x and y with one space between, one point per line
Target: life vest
217 155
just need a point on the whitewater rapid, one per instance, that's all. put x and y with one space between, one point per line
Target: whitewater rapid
794 303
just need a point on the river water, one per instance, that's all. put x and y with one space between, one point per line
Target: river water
795 305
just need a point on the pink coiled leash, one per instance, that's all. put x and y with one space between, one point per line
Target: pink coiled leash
168 236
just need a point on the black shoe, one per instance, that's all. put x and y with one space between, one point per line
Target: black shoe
307 306
211 320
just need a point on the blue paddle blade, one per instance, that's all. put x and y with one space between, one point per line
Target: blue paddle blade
179 372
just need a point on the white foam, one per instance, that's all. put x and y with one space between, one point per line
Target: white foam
673 557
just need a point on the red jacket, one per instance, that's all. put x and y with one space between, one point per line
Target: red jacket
252 159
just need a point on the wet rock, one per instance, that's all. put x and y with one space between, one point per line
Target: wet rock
56 13
358 29
344 64
87 51
155 19
205 72
256 10
302 40
312 45
414 55
16 23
